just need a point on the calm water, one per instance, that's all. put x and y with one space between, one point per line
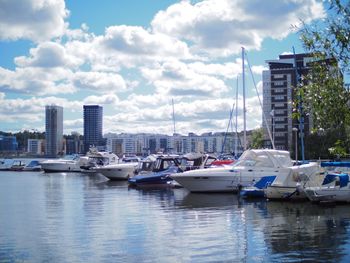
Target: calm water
85 218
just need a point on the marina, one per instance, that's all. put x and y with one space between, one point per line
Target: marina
77 217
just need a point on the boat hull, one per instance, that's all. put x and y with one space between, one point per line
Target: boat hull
207 184
60 167
284 193
118 171
221 179
333 194
154 179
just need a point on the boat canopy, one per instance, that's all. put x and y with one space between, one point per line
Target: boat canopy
265 158
340 179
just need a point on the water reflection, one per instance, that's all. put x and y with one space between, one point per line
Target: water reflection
307 231
78 217
197 200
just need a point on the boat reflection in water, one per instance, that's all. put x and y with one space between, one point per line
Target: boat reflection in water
197 200
72 217
302 231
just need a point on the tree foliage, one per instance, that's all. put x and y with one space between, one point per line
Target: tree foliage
257 139
331 37
322 91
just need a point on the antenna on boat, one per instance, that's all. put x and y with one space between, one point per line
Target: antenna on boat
244 109
172 100
300 109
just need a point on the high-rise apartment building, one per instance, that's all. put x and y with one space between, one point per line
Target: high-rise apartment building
35 146
279 84
93 115
53 130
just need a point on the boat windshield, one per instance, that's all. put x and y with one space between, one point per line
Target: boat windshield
260 160
163 164
245 162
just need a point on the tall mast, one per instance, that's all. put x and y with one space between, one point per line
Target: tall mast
172 100
244 109
236 139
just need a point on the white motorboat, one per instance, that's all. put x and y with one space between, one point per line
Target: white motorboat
335 188
68 164
76 163
33 165
251 167
119 171
289 185
95 159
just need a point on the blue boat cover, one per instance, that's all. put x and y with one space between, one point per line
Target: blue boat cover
335 164
264 181
343 179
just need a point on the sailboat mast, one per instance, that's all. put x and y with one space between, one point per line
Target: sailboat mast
172 101
236 137
244 109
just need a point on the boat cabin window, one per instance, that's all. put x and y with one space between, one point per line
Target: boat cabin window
262 161
146 166
245 162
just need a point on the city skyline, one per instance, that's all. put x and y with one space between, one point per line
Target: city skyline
134 57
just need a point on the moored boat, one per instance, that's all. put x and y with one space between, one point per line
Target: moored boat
68 164
119 171
335 187
33 165
164 166
17 165
250 167
337 191
288 186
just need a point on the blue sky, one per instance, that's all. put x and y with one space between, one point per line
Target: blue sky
133 57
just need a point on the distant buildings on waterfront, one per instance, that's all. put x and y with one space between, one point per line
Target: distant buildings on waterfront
54 130
145 143
93 120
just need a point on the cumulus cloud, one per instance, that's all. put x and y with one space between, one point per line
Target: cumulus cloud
138 41
185 55
175 78
46 55
103 99
32 109
221 27
100 81
33 81
37 20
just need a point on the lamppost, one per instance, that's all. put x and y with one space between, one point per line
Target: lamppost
295 130
272 114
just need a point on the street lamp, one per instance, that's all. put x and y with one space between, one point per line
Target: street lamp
296 143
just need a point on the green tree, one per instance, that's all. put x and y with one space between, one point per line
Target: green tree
322 91
257 139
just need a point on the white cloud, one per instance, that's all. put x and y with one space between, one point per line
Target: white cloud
35 81
37 20
137 71
175 78
100 81
101 100
48 55
221 27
